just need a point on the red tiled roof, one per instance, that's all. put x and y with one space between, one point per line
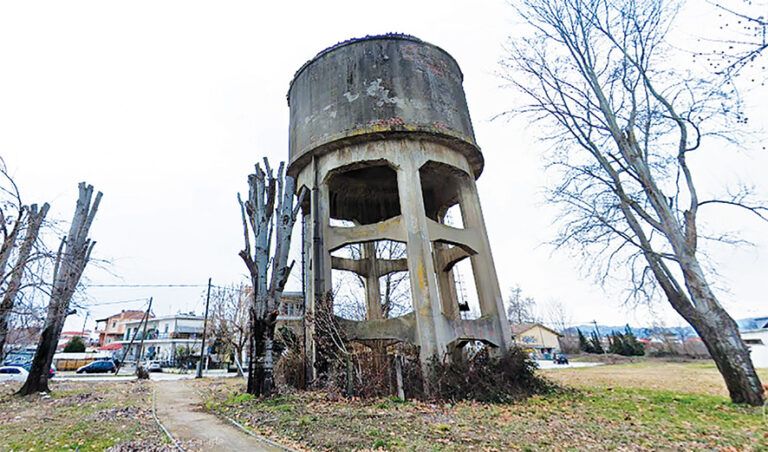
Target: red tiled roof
112 346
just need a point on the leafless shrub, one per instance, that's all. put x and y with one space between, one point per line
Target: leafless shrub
486 378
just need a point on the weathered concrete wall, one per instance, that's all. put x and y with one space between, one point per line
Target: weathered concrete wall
381 134
371 88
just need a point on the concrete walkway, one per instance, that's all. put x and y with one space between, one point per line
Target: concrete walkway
179 409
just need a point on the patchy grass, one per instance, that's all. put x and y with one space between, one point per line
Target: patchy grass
699 377
632 411
76 416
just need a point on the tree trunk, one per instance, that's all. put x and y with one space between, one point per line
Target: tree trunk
256 366
258 213
720 335
37 381
68 269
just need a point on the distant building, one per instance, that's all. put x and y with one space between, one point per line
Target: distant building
539 340
754 332
292 312
164 336
112 328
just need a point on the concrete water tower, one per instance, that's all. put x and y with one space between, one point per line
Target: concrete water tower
381 135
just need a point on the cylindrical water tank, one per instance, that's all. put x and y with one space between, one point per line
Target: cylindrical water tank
378 87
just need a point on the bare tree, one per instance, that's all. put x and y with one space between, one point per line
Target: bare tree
625 124
558 316
229 319
520 309
268 197
741 40
12 212
16 220
71 260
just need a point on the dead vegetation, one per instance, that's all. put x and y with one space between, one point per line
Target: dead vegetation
75 416
627 414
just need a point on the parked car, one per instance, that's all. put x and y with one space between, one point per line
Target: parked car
153 366
98 367
28 364
561 359
13 373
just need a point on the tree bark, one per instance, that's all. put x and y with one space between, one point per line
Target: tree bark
258 215
720 335
71 259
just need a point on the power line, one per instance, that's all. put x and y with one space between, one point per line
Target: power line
235 289
115 302
145 285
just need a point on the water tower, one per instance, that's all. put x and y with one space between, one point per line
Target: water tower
381 135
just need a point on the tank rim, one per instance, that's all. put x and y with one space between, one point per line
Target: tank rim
385 36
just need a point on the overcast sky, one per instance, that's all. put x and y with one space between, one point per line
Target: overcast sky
165 107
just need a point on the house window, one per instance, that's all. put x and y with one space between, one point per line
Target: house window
753 341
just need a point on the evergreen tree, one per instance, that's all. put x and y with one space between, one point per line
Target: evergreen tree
597 347
616 343
634 347
75 345
584 344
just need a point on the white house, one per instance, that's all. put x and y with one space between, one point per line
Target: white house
755 335
536 338
164 336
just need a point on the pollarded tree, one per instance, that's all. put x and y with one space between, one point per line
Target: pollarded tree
20 227
269 212
625 124
72 257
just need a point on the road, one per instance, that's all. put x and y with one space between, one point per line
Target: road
547 365
154 376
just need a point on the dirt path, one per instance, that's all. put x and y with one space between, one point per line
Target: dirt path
178 408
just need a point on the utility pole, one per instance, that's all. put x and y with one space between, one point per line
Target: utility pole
82 333
143 335
125 352
205 326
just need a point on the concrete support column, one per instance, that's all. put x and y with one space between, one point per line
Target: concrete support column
447 284
372 294
486 280
309 297
431 326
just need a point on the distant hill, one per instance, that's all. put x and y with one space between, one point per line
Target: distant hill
751 323
640 332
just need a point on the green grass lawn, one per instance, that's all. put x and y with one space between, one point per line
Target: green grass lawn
631 412
80 416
